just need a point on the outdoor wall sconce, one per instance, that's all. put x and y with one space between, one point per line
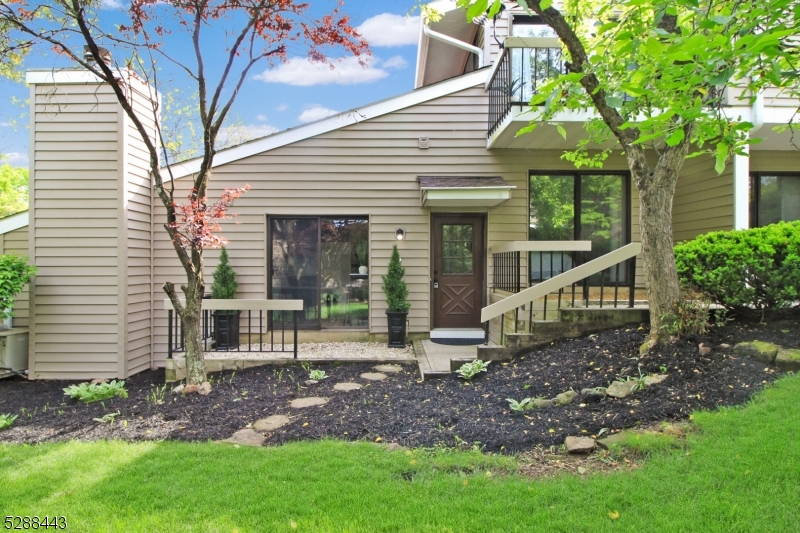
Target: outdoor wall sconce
400 234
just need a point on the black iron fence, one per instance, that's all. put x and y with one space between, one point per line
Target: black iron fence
261 326
506 271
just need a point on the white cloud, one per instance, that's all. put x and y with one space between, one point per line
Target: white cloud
302 72
315 112
17 159
254 131
388 30
5 124
112 4
397 62
282 107
261 118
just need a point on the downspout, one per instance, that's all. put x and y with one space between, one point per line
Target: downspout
741 170
453 42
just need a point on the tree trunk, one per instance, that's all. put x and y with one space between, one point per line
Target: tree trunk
655 222
191 317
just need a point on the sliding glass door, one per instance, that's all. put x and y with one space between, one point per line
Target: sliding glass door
577 206
324 262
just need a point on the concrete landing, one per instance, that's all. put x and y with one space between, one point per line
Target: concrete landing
435 359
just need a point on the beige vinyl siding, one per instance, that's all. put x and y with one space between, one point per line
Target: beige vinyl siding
774 161
16 242
74 195
371 169
138 211
703 199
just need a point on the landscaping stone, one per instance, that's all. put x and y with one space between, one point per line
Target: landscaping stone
204 389
311 401
98 381
246 437
393 447
655 378
178 389
788 359
760 351
620 389
724 345
390 369
565 398
593 395
373 376
580 444
703 349
311 382
541 402
189 389
346 386
271 423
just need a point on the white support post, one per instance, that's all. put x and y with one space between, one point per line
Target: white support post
741 191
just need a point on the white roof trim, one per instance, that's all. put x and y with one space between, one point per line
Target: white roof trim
13 222
334 122
64 76
464 188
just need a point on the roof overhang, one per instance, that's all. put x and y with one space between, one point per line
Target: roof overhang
436 60
450 191
13 222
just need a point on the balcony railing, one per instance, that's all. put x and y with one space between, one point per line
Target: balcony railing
261 326
526 64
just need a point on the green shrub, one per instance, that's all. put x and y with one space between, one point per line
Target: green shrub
747 271
225 284
394 287
14 274
86 392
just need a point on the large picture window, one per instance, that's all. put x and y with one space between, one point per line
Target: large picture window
577 206
774 198
322 261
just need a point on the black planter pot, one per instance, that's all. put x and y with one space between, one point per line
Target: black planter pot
397 329
226 329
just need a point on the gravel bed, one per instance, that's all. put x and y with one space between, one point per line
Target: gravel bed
321 350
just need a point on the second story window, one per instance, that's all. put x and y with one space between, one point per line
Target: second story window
532 65
525 26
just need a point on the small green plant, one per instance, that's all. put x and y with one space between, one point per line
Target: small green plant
361 252
306 366
394 287
225 284
107 418
520 406
157 394
662 369
88 393
230 381
470 370
317 375
7 420
689 316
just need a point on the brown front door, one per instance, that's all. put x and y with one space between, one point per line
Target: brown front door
458 263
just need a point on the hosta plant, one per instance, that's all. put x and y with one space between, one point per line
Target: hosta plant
93 392
470 370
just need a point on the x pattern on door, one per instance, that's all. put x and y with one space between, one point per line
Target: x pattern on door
458 299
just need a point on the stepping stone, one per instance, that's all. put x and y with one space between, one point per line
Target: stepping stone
656 378
300 403
346 386
271 423
579 444
788 359
390 369
620 389
541 402
565 398
373 376
765 352
246 437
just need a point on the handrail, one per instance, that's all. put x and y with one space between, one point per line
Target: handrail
562 280
244 305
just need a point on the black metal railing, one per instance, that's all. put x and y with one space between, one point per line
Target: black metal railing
546 265
519 74
506 271
246 331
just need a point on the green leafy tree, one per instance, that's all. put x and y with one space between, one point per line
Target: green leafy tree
394 287
13 190
655 71
225 284
15 272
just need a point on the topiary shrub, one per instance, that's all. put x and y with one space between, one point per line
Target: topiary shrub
225 284
750 272
394 287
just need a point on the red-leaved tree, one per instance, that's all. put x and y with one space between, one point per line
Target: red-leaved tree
251 31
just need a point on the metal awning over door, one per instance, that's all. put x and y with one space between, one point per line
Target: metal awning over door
472 191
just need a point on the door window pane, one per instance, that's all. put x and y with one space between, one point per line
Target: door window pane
457 249
779 199
295 264
344 294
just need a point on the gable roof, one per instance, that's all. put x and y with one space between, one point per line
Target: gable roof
335 122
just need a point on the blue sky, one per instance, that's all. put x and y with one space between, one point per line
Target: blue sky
280 97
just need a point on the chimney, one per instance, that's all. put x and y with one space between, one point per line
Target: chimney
105 55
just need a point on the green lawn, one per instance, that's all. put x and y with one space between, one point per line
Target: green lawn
740 473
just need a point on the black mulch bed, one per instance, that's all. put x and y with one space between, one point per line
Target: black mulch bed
404 410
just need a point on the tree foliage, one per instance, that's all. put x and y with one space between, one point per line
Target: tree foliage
225 284
13 190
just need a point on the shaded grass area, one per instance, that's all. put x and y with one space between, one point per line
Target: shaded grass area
738 473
